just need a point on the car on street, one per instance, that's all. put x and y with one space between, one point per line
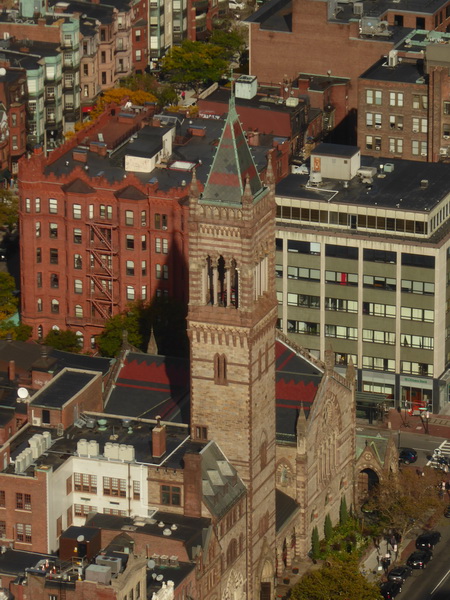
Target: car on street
407 455
419 559
399 574
427 541
390 589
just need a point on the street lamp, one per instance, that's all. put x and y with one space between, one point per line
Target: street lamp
425 418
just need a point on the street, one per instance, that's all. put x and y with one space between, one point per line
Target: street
432 583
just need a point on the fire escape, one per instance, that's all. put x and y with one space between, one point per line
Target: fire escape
101 274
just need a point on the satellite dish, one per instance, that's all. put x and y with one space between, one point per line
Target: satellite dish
151 564
80 538
23 393
2 71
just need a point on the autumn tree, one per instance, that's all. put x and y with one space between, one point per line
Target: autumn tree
336 579
164 93
404 498
19 332
9 209
9 303
195 64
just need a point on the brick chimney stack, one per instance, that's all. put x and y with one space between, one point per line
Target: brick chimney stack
192 473
158 439
12 370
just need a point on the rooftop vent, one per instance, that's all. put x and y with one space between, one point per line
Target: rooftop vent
424 184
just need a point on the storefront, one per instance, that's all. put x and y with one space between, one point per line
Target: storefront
416 393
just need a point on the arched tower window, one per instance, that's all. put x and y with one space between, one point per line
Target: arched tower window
220 282
220 369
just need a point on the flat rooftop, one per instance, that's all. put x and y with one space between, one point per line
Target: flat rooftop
63 388
399 189
405 71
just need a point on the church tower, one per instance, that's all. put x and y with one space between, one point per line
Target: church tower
231 326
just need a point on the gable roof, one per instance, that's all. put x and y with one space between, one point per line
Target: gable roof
232 165
130 193
78 186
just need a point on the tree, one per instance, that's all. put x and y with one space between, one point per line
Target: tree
9 303
338 579
9 209
194 64
62 340
232 42
19 332
315 543
328 528
164 92
110 340
402 499
343 511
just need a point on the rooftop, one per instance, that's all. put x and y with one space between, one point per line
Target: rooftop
62 388
409 71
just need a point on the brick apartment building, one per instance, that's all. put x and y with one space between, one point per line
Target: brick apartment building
404 106
325 37
13 94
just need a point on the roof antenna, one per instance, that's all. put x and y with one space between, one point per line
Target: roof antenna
232 97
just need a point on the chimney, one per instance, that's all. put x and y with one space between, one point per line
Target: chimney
158 439
192 474
12 370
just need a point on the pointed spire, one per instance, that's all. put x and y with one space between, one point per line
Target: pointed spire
193 188
301 422
152 346
232 164
270 178
248 196
329 357
350 373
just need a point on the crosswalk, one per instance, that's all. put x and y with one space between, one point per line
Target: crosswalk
442 451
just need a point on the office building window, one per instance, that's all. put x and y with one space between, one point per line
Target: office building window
303 273
341 278
416 368
417 341
386 283
341 305
114 487
417 287
379 310
136 490
52 206
305 327
378 364
417 314
378 337
338 331
170 495
82 482
23 501
82 510
303 300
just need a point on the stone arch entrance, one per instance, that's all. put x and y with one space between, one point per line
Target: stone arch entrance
267 577
367 480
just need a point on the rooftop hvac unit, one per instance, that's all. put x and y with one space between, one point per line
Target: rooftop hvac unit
113 562
19 463
164 560
36 421
93 448
82 447
358 8
173 561
98 573
393 58
48 439
388 167
292 102
157 559
315 178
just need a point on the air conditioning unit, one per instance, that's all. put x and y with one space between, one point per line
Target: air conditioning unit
377 147
446 137
377 126
113 562
164 227
443 151
37 421
423 154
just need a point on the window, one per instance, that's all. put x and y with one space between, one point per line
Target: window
23 501
369 119
396 145
53 256
374 97
201 433
417 341
77 261
77 236
76 211
37 205
23 533
54 280
165 246
83 510
415 368
220 369
143 242
38 228
130 242
39 305
341 278
144 267
396 122
78 311
2 529
158 245
395 98
170 495
114 487
303 300
417 314
103 77
55 306
136 490
78 286
417 287
38 255
143 218
379 310
165 272
387 283
369 142
130 293
339 304
158 271
39 279
82 482
138 55
130 267
53 206
378 364
144 292
345 333
446 108
378 337
2 498
303 273
27 205
157 221
129 217
53 231
306 327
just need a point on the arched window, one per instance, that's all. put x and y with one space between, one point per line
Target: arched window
232 552
55 306
40 332
263 452
80 338
220 369
39 304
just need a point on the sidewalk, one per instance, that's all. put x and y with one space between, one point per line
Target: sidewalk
438 425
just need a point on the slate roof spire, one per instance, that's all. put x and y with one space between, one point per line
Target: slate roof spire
232 165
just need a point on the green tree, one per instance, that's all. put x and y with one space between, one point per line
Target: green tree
328 528
9 303
9 209
315 543
232 42
343 511
19 332
336 580
110 340
62 340
165 93
194 64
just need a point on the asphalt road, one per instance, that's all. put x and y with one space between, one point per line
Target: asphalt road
433 582
424 444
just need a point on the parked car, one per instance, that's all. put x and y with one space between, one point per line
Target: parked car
390 589
399 574
407 455
428 540
447 512
419 559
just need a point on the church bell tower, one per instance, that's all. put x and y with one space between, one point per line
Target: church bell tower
231 326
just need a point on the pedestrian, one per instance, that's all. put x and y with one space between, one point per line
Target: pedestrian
183 95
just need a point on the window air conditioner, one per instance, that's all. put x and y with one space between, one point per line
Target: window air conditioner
423 154
377 147
446 137
377 126
415 131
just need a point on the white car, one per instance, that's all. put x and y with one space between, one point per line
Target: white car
233 5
